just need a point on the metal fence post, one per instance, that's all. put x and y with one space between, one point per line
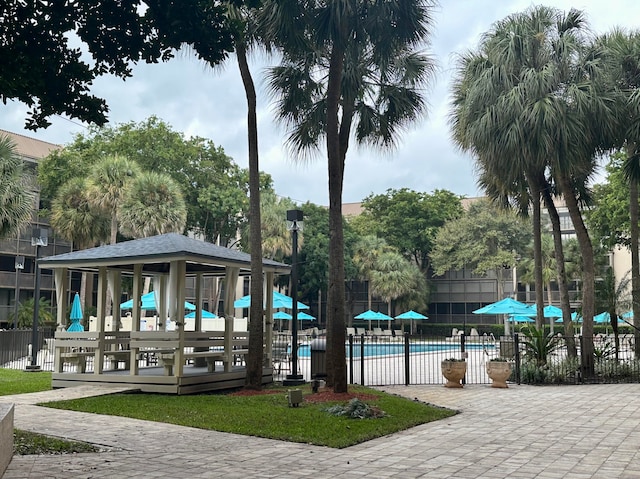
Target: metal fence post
351 359
582 361
516 353
407 374
463 354
362 359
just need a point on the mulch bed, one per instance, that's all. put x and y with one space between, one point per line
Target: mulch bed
319 397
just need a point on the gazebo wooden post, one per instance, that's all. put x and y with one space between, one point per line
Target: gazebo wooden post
60 279
177 273
268 337
231 280
115 279
161 287
135 316
199 362
102 304
198 318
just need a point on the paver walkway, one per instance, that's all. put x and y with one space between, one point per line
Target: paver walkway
571 432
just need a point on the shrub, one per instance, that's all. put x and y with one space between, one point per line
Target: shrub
356 409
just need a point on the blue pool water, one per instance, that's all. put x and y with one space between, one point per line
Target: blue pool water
388 349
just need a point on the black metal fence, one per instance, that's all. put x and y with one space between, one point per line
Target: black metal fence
384 360
15 348
406 360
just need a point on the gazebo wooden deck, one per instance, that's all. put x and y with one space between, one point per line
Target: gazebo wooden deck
184 361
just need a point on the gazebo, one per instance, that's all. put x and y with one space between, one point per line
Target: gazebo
182 361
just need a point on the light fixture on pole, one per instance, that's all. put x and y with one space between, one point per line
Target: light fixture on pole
295 223
39 237
19 267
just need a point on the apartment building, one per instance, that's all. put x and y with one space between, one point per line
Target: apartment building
15 281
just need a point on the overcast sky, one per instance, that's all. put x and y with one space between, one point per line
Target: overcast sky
196 100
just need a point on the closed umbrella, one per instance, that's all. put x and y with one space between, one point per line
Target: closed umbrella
76 316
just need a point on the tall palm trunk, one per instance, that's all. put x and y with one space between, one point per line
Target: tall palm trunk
588 273
336 360
634 215
535 191
255 357
563 288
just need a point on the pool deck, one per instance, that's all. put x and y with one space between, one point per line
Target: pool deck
555 432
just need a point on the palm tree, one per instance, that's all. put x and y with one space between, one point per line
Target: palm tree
534 89
75 219
16 191
623 54
152 204
349 67
107 185
393 276
366 254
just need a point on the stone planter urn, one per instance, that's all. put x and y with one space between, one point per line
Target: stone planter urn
453 371
499 372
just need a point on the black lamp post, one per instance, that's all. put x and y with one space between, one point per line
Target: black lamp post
295 223
39 237
19 267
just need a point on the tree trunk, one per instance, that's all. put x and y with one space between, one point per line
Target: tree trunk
537 248
635 254
565 304
336 358
588 273
255 356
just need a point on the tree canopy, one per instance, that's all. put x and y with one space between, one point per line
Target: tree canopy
408 220
213 185
51 52
484 239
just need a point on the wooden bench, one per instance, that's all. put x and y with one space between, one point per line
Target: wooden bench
121 355
77 358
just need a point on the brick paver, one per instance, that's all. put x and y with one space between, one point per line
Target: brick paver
571 432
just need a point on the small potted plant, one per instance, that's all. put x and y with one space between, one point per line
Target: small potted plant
499 370
453 371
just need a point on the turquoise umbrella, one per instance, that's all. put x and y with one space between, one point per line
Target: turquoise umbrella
504 306
411 315
279 301
282 315
518 318
149 302
205 314
76 316
368 316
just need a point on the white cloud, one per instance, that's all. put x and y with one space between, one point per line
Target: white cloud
210 103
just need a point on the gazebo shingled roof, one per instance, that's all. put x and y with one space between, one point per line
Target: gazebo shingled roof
155 252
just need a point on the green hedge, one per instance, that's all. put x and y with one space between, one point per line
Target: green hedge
444 329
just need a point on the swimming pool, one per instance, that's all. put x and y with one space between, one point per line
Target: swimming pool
389 349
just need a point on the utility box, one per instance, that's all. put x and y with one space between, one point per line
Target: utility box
295 397
318 350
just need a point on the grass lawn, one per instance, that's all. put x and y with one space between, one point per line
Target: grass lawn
264 415
13 381
25 443
267 415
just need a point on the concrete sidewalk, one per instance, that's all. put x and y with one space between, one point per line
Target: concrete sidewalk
551 432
